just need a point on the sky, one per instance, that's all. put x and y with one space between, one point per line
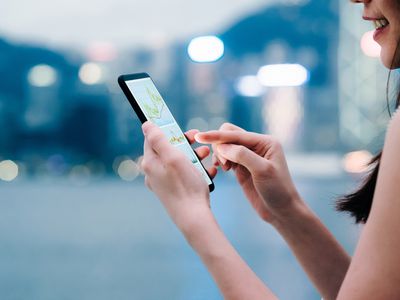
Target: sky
123 23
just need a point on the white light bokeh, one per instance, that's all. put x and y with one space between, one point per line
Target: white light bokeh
357 161
197 123
128 170
249 86
283 114
91 73
281 75
8 170
206 49
216 122
80 175
42 76
368 45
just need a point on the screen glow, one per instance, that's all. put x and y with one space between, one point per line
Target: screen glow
155 109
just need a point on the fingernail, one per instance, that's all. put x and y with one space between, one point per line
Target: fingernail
146 127
197 137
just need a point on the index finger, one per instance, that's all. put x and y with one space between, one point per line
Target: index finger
190 135
247 139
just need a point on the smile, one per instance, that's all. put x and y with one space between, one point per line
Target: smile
381 23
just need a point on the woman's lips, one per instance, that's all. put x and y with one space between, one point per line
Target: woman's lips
379 32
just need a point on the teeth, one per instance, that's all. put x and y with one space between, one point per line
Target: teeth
380 23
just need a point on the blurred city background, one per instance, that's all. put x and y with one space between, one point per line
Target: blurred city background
76 221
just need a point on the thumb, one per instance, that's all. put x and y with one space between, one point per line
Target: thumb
243 156
157 140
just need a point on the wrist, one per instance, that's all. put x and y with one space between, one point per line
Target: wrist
191 217
205 236
296 210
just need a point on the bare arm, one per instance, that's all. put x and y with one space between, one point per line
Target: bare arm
375 270
233 276
185 195
260 167
320 255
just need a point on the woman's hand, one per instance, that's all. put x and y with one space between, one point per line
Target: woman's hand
260 167
174 179
185 194
202 152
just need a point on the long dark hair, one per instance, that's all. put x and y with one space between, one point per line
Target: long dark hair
359 203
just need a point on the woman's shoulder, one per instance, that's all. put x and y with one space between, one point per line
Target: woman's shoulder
389 172
375 269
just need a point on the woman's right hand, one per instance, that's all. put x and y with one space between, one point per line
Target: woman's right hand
260 167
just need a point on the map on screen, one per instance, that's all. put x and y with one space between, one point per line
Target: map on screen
156 110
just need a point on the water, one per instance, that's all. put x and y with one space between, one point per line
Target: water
113 240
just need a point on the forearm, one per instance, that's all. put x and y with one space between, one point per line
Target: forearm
321 256
232 275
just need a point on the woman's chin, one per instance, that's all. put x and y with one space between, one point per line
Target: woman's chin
387 59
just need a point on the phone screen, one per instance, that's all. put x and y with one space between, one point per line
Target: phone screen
155 109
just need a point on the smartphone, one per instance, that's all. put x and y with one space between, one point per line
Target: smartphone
148 104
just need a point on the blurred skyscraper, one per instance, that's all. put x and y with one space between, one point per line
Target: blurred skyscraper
304 33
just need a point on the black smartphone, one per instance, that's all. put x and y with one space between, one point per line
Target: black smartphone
148 104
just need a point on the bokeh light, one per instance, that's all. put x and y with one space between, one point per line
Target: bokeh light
91 73
369 46
216 122
197 123
80 175
249 86
56 165
357 161
128 170
283 75
283 113
102 52
42 76
8 170
206 49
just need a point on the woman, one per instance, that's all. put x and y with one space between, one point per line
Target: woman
260 167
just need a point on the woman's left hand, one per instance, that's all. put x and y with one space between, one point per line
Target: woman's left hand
174 179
